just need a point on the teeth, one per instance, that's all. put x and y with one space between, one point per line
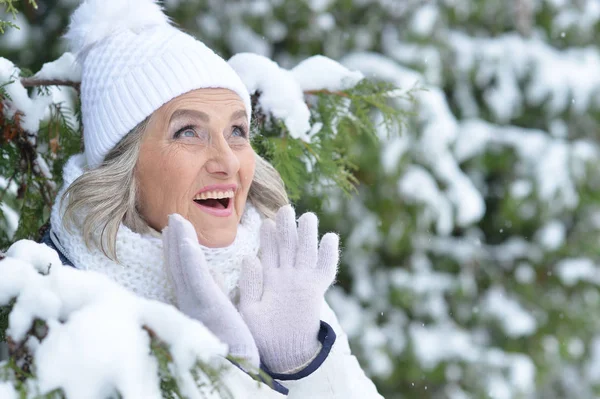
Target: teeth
214 195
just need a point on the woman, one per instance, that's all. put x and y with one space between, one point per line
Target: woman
171 201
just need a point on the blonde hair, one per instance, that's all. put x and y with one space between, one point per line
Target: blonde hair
107 195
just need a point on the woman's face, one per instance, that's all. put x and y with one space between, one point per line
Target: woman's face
196 160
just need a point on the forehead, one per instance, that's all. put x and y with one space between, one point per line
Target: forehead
207 102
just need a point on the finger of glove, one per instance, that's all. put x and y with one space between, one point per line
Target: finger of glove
194 272
288 236
269 252
171 254
308 241
221 317
329 257
251 281
182 227
177 229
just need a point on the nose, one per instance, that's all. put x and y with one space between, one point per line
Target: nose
222 162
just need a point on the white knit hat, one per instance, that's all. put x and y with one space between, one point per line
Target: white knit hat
133 62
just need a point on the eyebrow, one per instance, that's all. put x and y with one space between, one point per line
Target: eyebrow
189 113
240 114
193 113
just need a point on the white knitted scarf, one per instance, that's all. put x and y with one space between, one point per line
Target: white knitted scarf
141 266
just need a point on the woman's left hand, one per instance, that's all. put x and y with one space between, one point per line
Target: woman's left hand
281 295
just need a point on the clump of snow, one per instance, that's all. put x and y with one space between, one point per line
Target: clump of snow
323 73
442 342
552 235
63 68
12 219
33 109
280 93
424 19
41 256
13 38
573 270
418 186
7 391
319 5
514 319
348 310
96 344
525 274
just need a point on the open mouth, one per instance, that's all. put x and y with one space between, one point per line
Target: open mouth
217 203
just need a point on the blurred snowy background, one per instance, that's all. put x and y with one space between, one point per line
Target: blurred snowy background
471 250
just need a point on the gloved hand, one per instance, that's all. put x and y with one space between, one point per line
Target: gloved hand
281 295
198 295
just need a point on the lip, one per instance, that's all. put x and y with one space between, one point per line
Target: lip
223 213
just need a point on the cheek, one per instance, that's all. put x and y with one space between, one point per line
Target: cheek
247 168
163 179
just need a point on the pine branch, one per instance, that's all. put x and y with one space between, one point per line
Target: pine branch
34 82
327 92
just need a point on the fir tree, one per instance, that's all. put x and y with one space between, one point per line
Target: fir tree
470 254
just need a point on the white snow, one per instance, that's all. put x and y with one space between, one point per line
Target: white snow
573 270
7 391
552 235
566 77
12 219
95 343
524 273
422 281
322 73
319 5
33 109
424 19
418 186
280 93
443 342
593 364
348 310
13 38
40 256
393 152
513 318
63 68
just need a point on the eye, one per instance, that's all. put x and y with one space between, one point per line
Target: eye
187 131
238 131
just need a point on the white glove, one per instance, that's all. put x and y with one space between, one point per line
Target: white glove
198 295
281 295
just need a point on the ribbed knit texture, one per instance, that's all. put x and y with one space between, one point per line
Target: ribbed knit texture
129 75
142 268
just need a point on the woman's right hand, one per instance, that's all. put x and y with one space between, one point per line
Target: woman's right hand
198 295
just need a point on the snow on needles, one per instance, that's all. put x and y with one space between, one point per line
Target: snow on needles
96 344
319 72
33 109
7 391
63 68
281 92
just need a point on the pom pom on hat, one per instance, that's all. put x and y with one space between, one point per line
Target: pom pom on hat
94 20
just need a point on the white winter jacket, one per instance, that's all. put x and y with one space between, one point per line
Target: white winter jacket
334 373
